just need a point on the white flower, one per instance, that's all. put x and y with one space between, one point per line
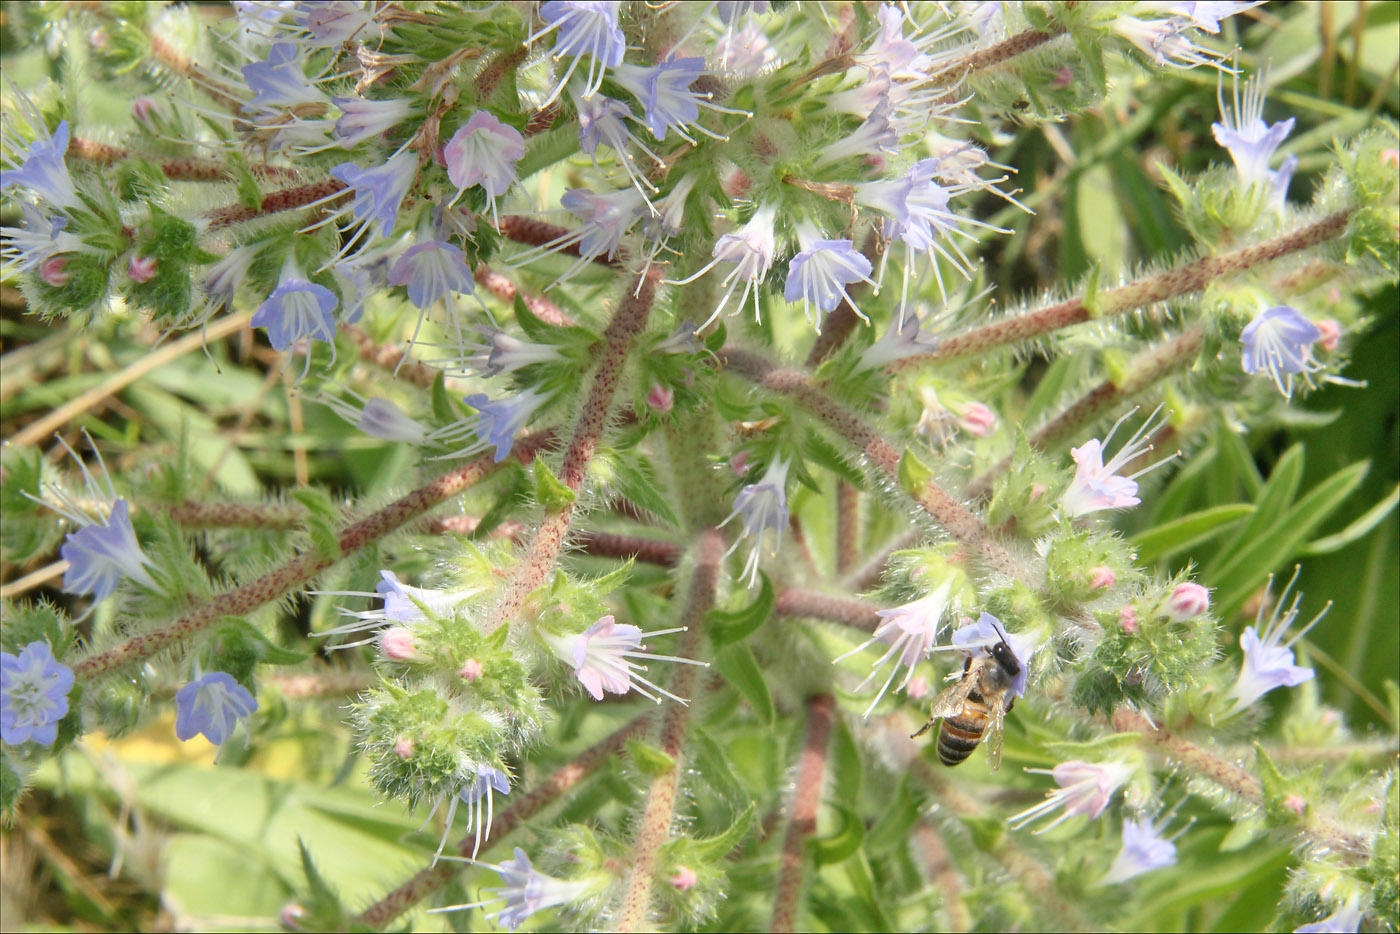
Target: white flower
600 659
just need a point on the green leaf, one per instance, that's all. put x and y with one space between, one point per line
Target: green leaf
551 493
719 846
896 819
821 451
847 769
1358 529
740 669
512 494
443 409
267 651
841 844
725 626
1169 538
650 760
1273 501
713 765
634 477
1234 451
914 474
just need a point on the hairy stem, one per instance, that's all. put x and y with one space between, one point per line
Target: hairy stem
284 199
847 527
807 799
390 357
654 828
535 567
1192 277
533 232
300 569
945 876
807 603
990 57
501 287
189 169
1145 372
427 881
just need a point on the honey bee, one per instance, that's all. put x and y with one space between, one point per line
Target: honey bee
975 708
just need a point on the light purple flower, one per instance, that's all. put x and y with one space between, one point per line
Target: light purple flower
525 891
604 120
379 190
583 27
987 632
1345 920
297 309
890 48
910 632
876 134
495 424
820 272
278 84
40 239
1207 15
601 657
905 337
432 270
43 171
403 606
1267 664
363 119
763 507
101 554
1164 41
1085 788
478 795
213 705
34 690
331 23
483 152
1250 141
1096 485
750 249
1144 849
497 352
1279 344
665 94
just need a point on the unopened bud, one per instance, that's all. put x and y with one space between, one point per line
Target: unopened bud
1102 577
1037 491
917 688
1062 78
142 268
684 879
470 670
738 462
142 108
397 643
1331 333
291 915
1296 804
52 271
1127 618
1187 601
977 419
661 398
403 747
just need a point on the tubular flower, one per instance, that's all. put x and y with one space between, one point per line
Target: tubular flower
1267 664
1251 142
34 690
495 424
42 171
212 705
600 659
380 190
1345 920
496 352
297 309
278 84
525 891
583 27
478 795
363 119
403 606
1085 788
664 91
910 631
762 506
1279 343
820 273
750 249
483 152
1096 485
432 270
1144 849
40 239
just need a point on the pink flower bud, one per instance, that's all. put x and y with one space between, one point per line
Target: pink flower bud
1037 491
1187 601
470 670
1127 618
1391 157
1296 804
397 643
1331 332
1103 577
917 688
737 462
291 915
1062 78
977 419
142 108
684 879
51 271
403 747
661 398
142 268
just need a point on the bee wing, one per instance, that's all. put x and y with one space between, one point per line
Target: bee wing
948 702
994 734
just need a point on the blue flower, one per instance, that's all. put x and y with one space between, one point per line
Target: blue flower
495 424
279 84
750 249
212 705
583 27
1279 343
1250 141
40 239
525 890
102 553
297 309
909 631
432 270
363 119
1267 663
762 506
476 794
380 190
606 218
665 94
1345 920
820 273
1144 849
33 695
43 171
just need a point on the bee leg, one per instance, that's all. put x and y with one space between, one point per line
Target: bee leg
923 729
1009 704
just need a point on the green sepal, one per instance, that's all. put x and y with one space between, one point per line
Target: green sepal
443 410
242 646
649 760
1276 791
712 765
550 492
727 626
1093 296
914 474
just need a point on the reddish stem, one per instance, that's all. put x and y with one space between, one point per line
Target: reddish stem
811 774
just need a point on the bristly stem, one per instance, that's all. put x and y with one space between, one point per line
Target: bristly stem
501 287
807 799
301 569
532 232
847 527
847 610
188 169
390 357
1145 372
1192 277
274 202
990 57
427 881
654 828
945 876
534 569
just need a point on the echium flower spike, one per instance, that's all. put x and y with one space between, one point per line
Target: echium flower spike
1267 663
600 656
762 507
1096 485
525 891
34 690
582 27
1279 343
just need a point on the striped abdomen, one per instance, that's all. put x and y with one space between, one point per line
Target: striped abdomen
959 734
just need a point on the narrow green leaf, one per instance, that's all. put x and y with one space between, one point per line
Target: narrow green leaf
1357 530
1169 538
634 477
914 474
712 764
740 669
719 846
551 493
841 844
1235 451
1273 502
726 627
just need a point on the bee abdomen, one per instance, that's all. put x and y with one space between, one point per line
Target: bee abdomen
957 737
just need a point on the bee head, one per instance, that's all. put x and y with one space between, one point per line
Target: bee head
1006 658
